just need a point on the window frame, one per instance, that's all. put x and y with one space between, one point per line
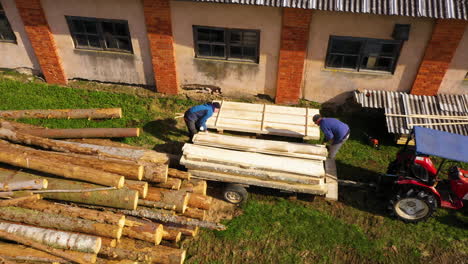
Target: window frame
226 43
12 33
363 52
99 33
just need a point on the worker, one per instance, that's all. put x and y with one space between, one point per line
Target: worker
336 133
195 118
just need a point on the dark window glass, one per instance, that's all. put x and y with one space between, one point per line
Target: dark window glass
100 34
224 43
362 53
6 33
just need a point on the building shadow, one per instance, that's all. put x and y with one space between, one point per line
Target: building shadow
166 130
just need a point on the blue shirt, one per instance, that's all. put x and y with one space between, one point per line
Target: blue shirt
334 129
199 114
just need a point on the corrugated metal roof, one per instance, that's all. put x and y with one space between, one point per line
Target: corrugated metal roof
457 9
400 109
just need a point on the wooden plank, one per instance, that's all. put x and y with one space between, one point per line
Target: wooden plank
302 188
331 180
279 148
243 106
255 160
286 110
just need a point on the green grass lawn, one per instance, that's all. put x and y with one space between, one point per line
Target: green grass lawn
273 228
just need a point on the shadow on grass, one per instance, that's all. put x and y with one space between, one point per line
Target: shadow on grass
166 130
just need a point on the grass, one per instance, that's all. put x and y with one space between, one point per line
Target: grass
273 228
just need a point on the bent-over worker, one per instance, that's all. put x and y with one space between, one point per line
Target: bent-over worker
195 118
336 133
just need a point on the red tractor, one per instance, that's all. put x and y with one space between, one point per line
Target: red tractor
417 188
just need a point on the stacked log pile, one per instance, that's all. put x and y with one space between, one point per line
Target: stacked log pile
288 166
93 201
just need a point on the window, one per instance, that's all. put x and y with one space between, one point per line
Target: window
362 54
100 34
6 34
226 44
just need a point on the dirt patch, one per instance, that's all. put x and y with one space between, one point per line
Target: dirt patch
220 209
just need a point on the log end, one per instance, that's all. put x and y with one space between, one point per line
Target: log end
158 234
141 172
97 246
120 182
45 183
144 190
135 201
137 132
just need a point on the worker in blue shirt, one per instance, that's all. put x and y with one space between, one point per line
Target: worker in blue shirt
195 118
336 133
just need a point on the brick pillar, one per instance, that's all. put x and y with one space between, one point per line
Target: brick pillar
42 40
439 52
158 25
294 38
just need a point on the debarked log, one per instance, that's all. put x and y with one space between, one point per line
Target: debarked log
83 132
146 230
179 199
174 173
93 113
20 253
20 200
200 201
140 186
171 183
23 185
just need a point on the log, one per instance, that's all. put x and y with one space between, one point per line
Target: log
174 173
122 261
20 200
122 198
83 132
138 250
66 170
60 222
96 113
140 186
319 189
154 204
143 230
131 170
253 173
108 242
79 257
17 125
171 183
179 199
200 201
172 235
23 185
194 186
195 213
155 173
16 194
190 231
54 238
16 252
103 217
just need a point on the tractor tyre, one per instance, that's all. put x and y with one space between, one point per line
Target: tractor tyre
413 205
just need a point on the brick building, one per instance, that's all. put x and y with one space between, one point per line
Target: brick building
319 50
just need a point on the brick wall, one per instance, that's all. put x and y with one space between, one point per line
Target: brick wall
439 52
42 40
159 28
294 38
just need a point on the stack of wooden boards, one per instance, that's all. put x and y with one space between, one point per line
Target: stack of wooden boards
265 119
93 201
295 167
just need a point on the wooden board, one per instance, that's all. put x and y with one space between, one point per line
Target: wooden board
224 177
331 179
272 147
313 168
265 119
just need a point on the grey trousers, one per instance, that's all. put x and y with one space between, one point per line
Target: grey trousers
333 149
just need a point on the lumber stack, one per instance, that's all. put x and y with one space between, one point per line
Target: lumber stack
287 166
93 201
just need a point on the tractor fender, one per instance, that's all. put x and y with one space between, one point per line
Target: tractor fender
431 189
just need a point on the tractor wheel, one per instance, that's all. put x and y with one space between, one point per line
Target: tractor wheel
235 193
413 205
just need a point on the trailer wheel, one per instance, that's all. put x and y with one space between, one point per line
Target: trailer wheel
235 193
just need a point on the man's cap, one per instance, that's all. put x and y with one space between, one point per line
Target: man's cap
316 117
216 105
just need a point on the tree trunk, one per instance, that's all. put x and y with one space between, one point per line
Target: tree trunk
103 217
195 213
143 230
194 186
60 222
190 231
20 253
130 170
66 170
96 113
123 198
171 183
156 173
79 257
174 173
200 201
20 200
153 204
54 238
108 242
141 251
83 132
122 261
179 199
23 185
140 186
172 235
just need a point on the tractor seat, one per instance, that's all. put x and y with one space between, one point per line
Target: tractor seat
420 173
